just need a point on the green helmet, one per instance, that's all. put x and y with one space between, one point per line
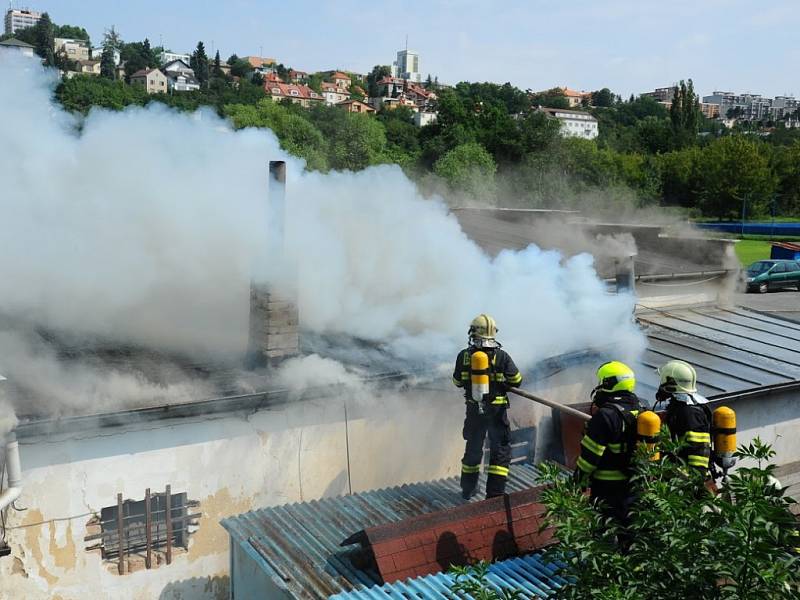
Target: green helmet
615 376
678 376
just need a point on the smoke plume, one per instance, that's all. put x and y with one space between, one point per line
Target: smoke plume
146 226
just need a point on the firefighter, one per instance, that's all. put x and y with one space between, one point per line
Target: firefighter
688 415
486 406
608 443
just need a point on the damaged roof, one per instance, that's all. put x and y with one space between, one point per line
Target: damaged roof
299 545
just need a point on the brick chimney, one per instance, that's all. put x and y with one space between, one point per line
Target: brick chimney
274 318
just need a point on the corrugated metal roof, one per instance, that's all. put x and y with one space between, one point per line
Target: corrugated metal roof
529 575
732 349
298 545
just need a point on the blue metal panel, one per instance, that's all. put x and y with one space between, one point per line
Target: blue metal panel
298 546
529 575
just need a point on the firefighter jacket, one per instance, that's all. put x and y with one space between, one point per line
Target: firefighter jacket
691 425
503 373
608 443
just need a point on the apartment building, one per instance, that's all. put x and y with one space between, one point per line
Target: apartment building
20 19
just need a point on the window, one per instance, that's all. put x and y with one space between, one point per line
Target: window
779 268
145 527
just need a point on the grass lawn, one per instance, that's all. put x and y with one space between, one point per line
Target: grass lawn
749 251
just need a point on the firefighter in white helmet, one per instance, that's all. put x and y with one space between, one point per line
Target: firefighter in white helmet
486 405
688 415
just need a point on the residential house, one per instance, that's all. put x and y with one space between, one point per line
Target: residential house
574 123
20 19
261 64
392 87
333 94
177 66
298 76
574 98
388 103
341 80
224 67
19 46
97 54
356 106
72 49
298 94
153 80
168 57
87 67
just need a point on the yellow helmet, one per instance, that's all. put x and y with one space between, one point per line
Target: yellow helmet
615 376
678 376
483 326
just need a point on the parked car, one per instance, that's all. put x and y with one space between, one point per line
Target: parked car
766 275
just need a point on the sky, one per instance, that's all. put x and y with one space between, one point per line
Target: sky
629 46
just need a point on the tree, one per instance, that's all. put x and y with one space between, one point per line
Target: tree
45 40
82 92
199 62
553 98
603 98
731 172
217 72
71 31
107 63
686 542
296 134
468 168
378 72
684 114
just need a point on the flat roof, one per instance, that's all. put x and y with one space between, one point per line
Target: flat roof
299 545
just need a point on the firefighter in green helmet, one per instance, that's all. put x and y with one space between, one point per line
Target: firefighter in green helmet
609 440
486 406
688 415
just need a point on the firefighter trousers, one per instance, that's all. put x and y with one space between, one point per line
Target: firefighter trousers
495 422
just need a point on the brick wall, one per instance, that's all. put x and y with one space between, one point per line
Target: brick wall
490 530
273 328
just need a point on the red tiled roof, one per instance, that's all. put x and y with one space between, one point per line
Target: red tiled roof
493 529
340 75
285 90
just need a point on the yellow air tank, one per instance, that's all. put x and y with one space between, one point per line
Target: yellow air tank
724 428
648 425
479 367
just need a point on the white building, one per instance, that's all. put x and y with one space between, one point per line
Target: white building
422 118
180 76
168 57
407 66
574 123
20 19
15 45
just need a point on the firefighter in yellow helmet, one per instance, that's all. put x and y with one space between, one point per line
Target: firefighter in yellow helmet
688 415
609 440
486 407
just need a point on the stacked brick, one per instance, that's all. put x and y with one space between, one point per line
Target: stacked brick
493 529
273 328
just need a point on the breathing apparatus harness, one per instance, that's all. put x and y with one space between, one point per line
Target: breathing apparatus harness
481 369
722 423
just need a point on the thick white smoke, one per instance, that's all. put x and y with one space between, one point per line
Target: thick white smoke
145 226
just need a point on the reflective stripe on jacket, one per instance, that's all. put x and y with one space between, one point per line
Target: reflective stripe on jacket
605 454
503 373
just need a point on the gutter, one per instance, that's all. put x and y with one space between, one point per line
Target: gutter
14 468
